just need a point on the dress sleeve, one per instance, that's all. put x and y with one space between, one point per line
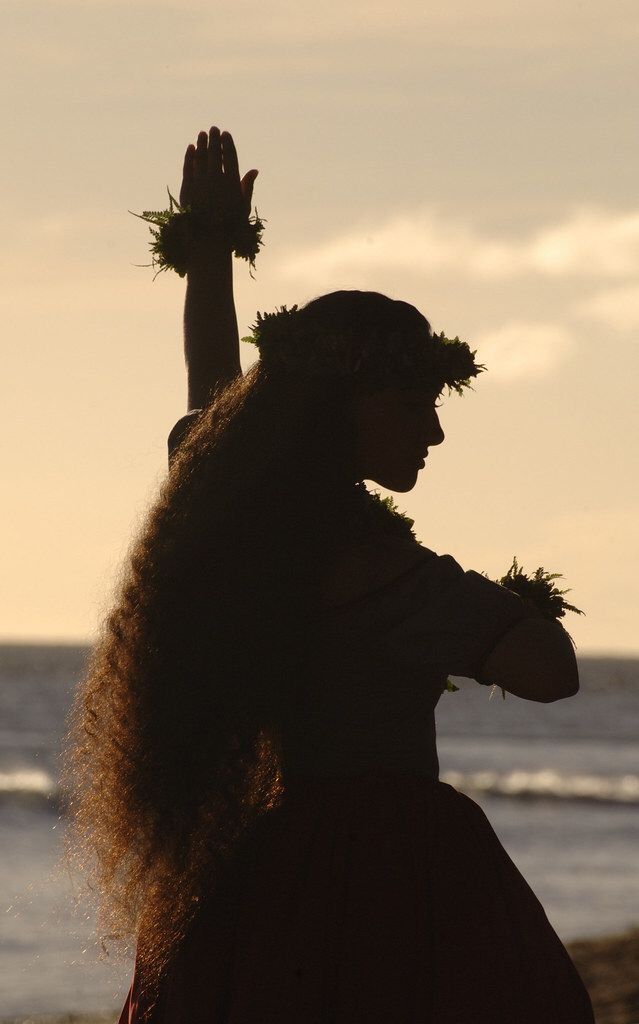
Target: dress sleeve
180 430
457 618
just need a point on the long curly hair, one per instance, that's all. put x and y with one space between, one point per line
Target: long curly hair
172 749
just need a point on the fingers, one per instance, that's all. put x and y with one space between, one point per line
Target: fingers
211 175
199 191
231 168
201 154
214 157
186 191
246 185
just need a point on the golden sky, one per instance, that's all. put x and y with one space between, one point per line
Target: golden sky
477 159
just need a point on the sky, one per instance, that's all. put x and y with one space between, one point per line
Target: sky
479 159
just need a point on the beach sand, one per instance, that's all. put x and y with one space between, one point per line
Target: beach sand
609 967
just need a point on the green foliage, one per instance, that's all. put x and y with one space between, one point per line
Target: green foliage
175 230
264 323
539 591
457 363
287 337
383 515
247 239
392 510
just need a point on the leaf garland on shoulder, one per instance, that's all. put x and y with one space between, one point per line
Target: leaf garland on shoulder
175 230
384 514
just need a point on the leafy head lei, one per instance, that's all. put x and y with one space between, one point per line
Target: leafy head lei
289 340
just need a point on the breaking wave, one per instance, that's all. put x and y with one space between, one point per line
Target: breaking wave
548 784
30 787
37 789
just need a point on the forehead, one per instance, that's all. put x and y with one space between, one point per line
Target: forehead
425 392
391 400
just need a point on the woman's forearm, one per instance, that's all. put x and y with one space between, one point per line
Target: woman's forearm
211 341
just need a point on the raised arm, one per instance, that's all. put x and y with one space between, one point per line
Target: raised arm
211 185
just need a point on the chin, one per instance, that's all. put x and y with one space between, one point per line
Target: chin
400 484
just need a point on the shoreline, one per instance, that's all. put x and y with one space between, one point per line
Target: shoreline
608 965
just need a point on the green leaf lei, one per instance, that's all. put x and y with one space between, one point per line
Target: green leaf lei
175 229
383 514
539 591
289 339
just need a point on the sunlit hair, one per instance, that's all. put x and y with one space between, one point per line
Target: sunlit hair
172 753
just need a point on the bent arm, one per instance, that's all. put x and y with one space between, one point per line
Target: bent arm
535 660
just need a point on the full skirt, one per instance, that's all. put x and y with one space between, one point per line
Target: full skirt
371 900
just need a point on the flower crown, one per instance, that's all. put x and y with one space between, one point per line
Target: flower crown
289 339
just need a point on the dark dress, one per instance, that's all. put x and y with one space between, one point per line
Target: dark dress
376 894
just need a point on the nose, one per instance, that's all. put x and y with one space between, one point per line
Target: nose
435 433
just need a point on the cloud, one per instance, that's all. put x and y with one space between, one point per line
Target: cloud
589 242
521 349
617 308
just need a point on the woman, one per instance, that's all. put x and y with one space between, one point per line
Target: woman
254 770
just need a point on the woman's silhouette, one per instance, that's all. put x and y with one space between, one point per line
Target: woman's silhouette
254 768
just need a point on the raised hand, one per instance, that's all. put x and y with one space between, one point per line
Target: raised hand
221 201
211 183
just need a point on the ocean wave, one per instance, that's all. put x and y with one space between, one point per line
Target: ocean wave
549 785
30 786
35 788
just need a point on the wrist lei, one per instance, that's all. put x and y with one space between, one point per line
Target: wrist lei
537 592
177 229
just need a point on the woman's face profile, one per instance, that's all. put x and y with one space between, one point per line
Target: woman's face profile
394 429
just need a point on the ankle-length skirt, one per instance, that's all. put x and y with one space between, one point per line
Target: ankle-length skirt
370 900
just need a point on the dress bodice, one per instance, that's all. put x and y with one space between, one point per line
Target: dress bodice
380 664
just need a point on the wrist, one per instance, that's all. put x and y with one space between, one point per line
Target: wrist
208 259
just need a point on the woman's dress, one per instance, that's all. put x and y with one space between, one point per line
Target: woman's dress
375 894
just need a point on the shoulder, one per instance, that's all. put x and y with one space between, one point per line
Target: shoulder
181 429
367 566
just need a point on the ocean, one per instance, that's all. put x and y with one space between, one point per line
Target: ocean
559 783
